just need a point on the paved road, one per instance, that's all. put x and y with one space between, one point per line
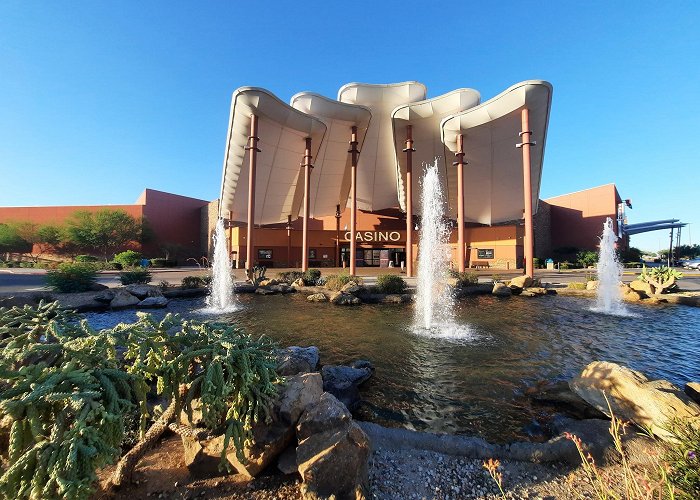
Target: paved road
16 280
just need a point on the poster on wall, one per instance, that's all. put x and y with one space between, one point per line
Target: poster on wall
485 253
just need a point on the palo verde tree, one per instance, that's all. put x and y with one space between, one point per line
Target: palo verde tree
40 238
104 231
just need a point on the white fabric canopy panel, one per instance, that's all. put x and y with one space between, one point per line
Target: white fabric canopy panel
493 177
425 117
330 178
282 131
376 172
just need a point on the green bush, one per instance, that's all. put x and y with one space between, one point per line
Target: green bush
465 278
72 277
191 282
311 277
536 262
135 275
159 262
683 458
391 283
587 258
576 285
338 281
85 258
129 258
290 277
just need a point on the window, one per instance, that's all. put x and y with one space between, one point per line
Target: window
264 254
484 253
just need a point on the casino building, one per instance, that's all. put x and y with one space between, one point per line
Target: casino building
322 182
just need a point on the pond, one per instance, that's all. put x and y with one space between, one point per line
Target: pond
474 385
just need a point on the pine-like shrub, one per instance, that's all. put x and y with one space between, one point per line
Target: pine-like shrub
311 277
135 275
72 277
391 283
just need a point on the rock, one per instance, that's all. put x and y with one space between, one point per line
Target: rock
201 457
239 288
293 360
594 435
395 298
268 442
123 298
317 297
328 414
153 302
98 287
334 463
649 404
344 299
501 290
523 281
642 287
344 381
287 461
264 291
561 395
298 283
630 295
536 290
361 364
269 282
692 389
197 418
298 393
105 296
592 285
142 291
351 287
81 301
282 288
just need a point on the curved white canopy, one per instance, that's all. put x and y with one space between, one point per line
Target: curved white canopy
282 131
425 117
493 177
376 170
330 178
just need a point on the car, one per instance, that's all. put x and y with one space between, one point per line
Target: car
692 264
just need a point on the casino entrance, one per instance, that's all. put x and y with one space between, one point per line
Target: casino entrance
374 257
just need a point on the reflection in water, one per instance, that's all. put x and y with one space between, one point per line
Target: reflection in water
475 386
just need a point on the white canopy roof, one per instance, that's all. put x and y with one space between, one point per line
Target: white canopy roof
282 131
493 178
330 179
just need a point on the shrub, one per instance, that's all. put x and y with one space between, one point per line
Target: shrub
683 459
191 282
311 277
465 278
391 283
536 262
587 258
129 258
207 280
72 277
85 258
290 277
159 262
135 275
576 285
338 281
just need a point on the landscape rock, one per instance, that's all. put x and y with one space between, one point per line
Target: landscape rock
201 457
328 414
241 288
269 282
631 295
268 442
334 464
298 393
344 381
295 359
317 297
81 301
153 302
344 299
523 281
501 290
535 291
282 288
142 291
648 404
395 298
122 298
287 461
98 287
592 285
692 389
197 419
298 283
351 287
264 291
642 287
104 296
560 395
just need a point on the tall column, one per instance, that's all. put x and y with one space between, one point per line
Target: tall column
460 201
354 153
252 147
409 200
229 243
289 241
305 231
337 236
528 240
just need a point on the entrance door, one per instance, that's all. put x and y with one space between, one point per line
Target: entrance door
397 257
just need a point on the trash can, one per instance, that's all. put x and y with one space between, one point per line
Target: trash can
550 264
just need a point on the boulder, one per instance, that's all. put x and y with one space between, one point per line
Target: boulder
395 298
648 404
81 301
592 285
142 291
294 360
287 461
267 443
535 291
98 287
298 393
197 419
153 302
501 290
630 295
298 283
122 298
523 281
351 287
560 395
642 287
333 464
201 456
264 291
344 381
344 299
104 296
328 414
692 389
269 282
317 297
240 288
282 288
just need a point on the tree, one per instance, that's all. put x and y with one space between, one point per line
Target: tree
688 251
104 231
10 239
40 238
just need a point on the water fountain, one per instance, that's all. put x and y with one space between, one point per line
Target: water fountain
434 303
609 296
221 297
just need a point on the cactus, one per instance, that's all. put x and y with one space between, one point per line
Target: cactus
661 279
256 274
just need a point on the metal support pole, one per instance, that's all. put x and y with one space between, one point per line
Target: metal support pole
353 194
305 235
528 240
289 241
337 236
253 150
669 260
460 201
409 200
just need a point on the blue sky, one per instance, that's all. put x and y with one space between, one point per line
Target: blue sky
99 100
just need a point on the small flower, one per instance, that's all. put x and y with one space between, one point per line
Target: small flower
692 455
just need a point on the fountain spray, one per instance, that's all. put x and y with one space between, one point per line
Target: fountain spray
609 296
221 297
